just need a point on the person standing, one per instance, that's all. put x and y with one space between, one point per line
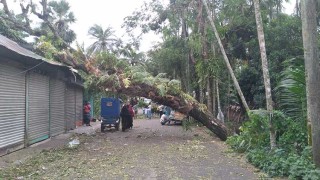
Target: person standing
160 109
149 112
86 113
125 117
167 111
131 111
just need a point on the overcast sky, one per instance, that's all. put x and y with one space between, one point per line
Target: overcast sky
111 13
106 13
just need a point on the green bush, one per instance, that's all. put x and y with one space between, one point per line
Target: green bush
280 163
142 104
254 132
292 158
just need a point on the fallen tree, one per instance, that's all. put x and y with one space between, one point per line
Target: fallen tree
110 74
136 82
181 102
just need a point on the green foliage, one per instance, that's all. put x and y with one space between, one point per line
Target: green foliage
171 58
10 33
106 61
252 87
208 68
105 40
188 123
46 47
291 91
254 132
142 104
162 89
282 163
195 42
143 77
61 17
291 158
174 86
90 83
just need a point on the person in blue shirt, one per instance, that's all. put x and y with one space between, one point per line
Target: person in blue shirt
167 110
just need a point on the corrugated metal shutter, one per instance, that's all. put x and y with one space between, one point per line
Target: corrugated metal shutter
70 108
38 108
79 104
57 107
12 106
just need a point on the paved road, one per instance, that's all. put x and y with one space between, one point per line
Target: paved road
148 151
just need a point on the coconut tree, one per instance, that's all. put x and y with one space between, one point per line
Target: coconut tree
226 60
265 70
61 18
291 91
132 56
104 40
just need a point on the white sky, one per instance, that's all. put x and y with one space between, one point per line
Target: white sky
111 13
106 13
289 6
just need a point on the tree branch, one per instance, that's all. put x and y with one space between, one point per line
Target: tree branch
5 8
25 11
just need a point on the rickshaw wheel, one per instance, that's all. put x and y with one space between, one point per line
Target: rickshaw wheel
102 128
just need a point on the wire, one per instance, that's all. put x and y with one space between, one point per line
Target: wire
28 69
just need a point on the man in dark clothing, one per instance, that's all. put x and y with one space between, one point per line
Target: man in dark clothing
131 111
125 117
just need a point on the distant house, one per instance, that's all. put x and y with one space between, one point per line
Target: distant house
38 99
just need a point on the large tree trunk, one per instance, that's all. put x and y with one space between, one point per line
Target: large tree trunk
209 97
202 95
180 102
177 100
213 47
202 30
265 71
311 56
214 94
225 57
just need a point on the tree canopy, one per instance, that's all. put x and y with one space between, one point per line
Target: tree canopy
208 63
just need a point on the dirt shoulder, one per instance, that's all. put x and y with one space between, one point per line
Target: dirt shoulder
148 151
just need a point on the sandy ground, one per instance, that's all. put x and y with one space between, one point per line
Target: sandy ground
148 151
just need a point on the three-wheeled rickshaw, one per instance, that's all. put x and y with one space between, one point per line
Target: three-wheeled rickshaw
110 113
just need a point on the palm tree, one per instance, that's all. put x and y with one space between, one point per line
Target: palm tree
265 70
226 60
132 56
291 90
105 40
61 18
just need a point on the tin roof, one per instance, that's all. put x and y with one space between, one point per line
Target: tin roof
13 50
13 46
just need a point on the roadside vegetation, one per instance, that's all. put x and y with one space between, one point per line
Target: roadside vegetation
236 67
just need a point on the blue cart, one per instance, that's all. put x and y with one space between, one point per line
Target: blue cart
110 113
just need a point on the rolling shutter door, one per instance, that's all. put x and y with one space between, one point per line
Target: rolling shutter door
79 105
57 107
38 108
70 108
12 107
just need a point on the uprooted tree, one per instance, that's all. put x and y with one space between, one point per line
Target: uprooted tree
110 74
134 81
